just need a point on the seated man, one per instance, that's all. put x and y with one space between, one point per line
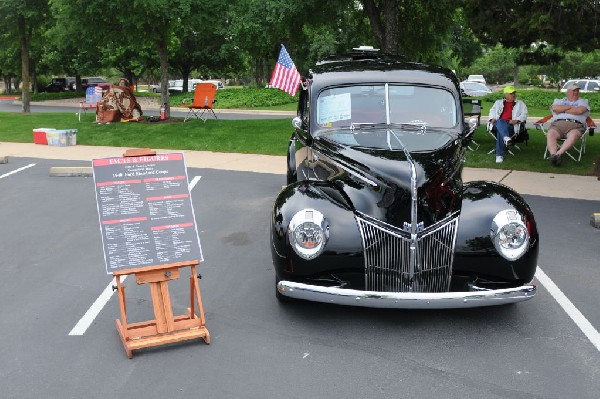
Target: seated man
568 122
504 115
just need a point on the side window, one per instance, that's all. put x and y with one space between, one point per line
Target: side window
592 86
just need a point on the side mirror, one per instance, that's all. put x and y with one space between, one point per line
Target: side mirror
297 123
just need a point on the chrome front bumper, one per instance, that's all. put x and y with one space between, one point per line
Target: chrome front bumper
406 300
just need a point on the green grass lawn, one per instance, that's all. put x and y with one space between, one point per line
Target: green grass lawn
530 157
261 136
264 136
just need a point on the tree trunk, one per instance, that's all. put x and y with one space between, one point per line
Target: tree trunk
78 85
390 16
384 23
163 55
7 84
257 71
516 74
34 84
25 99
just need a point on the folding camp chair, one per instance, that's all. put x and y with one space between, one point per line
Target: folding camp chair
520 135
578 149
93 95
203 101
472 108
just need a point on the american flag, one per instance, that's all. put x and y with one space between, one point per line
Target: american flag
285 76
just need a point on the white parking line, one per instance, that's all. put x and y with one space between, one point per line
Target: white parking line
88 318
17 170
194 181
584 325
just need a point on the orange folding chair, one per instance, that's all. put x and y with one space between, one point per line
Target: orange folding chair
202 103
578 149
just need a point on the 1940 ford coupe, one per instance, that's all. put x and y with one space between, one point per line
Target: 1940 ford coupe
375 212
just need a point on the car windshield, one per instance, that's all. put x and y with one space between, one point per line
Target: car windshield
388 116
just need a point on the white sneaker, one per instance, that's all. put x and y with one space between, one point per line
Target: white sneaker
499 159
507 141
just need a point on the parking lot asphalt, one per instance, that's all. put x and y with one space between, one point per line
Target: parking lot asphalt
55 273
543 184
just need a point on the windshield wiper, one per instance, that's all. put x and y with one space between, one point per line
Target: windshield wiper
360 125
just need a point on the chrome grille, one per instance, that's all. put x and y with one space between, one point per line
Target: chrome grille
387 256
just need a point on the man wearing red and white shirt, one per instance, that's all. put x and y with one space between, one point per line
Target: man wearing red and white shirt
505 115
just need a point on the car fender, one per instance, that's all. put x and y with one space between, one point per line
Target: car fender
344 235
475 252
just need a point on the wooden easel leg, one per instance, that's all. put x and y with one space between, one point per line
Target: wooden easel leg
195 285
123 335
122 327
163 310
122 303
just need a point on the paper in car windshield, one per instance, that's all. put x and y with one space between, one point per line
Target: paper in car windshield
334 108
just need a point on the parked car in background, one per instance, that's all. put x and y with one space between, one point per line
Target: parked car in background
476 78
218 83
59 84
474 89
157 88
95 81
177 86
91 81
586 85
375 212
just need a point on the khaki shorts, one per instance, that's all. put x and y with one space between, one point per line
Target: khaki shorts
563 127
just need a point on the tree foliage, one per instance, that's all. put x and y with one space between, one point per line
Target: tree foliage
566 24
241 38
416 29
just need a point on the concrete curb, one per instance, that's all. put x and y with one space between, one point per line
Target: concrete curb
71 171
543 184
595 220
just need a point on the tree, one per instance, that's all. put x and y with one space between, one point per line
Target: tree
566 24
128 23
199 41
496 65
19 18
538 28
415 28
9 61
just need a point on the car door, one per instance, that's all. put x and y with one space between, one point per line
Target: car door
592 86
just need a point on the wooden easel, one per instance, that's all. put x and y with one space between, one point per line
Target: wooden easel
165 328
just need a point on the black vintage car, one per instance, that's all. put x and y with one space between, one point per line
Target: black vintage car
375 212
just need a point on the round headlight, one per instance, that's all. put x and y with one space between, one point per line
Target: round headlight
509 234
308 232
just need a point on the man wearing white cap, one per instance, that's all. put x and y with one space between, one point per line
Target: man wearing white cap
505 115
568 122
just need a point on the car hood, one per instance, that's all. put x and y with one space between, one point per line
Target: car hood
379 182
